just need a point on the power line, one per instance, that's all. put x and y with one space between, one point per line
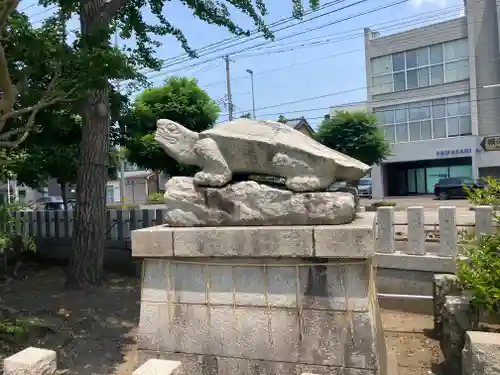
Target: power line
321 58
292 65
408 97
380 101
445 14
289 36
252 47
185 57
356 89
397 22
28 7
39 13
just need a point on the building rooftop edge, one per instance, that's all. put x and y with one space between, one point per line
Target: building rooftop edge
371 31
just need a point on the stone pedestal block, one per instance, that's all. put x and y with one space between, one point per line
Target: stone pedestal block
481 354
31 361
262 300
159 367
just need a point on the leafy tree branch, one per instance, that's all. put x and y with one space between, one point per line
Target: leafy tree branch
12 110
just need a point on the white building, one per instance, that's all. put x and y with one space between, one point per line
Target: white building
430 91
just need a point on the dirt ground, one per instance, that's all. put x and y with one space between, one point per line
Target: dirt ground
94 332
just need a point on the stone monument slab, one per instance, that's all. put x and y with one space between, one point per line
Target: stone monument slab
235 299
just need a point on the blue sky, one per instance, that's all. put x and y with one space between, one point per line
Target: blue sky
318 62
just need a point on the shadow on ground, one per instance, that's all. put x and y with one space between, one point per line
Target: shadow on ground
93 332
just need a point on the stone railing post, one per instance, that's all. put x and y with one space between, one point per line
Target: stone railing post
386 242
448 231
484 220
416 230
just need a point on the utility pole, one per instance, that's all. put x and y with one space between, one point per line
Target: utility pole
228 81
249 71
121 156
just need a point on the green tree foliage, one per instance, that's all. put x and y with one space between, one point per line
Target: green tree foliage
282 119
355 134
53 152
247 115
36 75
489 195
479 271
97 63
180 100
479 263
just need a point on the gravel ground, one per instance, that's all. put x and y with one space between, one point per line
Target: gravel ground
94 331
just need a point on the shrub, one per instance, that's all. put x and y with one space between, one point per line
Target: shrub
479 263
383 204
156 198
479 271
13 244
489 195
373 207
8 225
117 206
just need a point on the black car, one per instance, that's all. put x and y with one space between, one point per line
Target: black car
453 187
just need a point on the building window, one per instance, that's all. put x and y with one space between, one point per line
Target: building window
432 65
110 194
428 119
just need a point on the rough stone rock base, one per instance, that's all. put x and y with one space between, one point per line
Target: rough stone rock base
253 203
481 354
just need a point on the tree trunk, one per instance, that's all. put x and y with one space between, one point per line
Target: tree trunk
87 248
64 193
157 177
89 234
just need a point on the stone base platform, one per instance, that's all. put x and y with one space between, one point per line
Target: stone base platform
261 300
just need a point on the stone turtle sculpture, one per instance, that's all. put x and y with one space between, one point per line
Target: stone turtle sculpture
257 147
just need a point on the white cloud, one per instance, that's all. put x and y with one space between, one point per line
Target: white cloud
419 3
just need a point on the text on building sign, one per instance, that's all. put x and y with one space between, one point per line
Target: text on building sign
454 152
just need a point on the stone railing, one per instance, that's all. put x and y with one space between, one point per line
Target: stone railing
120 223
411 246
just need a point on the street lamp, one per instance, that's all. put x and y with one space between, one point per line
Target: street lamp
253 93
491 86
